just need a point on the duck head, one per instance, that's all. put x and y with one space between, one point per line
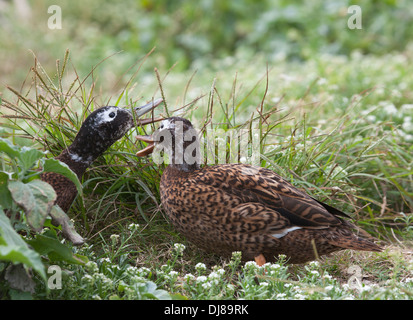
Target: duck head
103 127
177 137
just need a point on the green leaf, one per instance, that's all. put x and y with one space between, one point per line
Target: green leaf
14 249
148 290
5 196
7 147
53 165
28 157
48 244
19 278
36 199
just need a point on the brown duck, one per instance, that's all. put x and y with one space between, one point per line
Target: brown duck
99 131
238 207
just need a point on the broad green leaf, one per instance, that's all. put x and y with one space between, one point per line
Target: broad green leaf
28 157
14 249
5 196
19 278
48 244
36 199
53 165
150 291
7 147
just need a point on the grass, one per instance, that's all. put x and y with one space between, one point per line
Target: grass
311 132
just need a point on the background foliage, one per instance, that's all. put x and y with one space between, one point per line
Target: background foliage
195 35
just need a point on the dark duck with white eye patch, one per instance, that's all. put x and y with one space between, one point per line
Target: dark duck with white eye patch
238 207
99 131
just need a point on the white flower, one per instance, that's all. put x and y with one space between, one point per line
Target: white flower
189 277
388 107
143 271
371 118
206 285
173 273
133 226
221 271
92 267
251 264
345 287
114 238
329 288
200 266
137 279
299 296
365 288
407 125
314 263
230 287
327 276
406 108
179 248
201 279
214 275
281 295
87 278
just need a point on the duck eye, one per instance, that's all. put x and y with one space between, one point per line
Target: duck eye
112 114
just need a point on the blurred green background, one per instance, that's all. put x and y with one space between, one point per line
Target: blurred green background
193 34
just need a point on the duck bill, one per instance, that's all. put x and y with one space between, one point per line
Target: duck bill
149 149
140 111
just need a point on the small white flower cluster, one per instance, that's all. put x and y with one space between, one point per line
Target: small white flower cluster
385 110
133 227
179 248
115 239
141 272
94 277
200 267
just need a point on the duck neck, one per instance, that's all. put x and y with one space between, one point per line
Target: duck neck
185 157
75 162
184 167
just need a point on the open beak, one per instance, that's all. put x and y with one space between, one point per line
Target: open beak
139 111
149 148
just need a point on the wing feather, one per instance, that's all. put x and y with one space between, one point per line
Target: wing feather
262 186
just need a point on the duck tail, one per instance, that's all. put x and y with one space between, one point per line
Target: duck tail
356 243
347 239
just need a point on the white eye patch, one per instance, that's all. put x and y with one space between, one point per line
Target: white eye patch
166 124
107 115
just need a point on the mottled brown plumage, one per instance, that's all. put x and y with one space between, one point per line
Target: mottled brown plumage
65 189
98 132
238 207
